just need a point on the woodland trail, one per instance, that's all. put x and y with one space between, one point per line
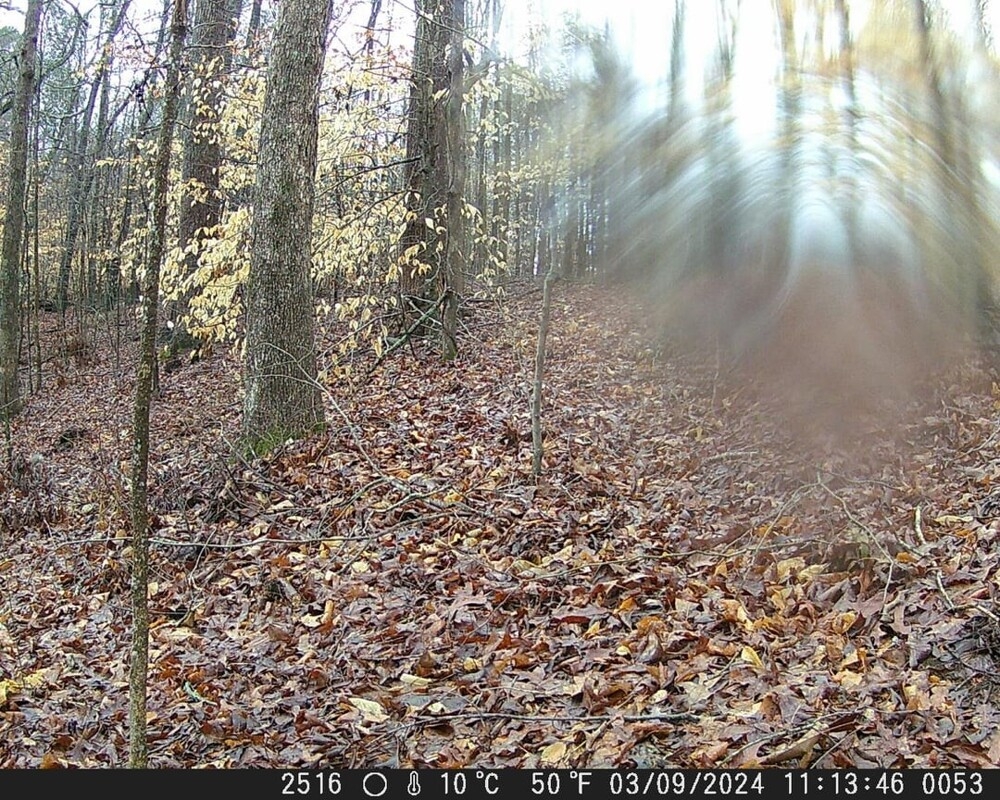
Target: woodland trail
687 585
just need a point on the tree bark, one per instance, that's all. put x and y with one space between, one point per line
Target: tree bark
13 230
283 398
453 275
432 246
254 27
201 206
83 167
537 443
138 745
423 174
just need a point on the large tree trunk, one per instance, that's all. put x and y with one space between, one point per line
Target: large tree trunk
138 745
282 396
431 269
13 230
424 171
201 206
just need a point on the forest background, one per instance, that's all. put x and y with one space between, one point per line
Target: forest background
466 383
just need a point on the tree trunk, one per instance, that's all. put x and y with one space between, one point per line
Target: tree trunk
201 206
453 275
283 398
852 115
13 230
957 186
432 246
677 102
373 13
254 27
423 174
537 443
83 167
138 745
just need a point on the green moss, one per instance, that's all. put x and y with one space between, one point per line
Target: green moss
266 443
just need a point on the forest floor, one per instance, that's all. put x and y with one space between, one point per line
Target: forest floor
687 585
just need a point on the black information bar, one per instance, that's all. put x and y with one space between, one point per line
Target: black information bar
486 784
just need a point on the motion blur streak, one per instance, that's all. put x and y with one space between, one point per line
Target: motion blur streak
845 249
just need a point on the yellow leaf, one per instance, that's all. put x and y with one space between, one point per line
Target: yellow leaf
646 624
554 753
806 575
415 681
842 622
951 519
849 660
779 599
565 555
849 679
789 565
33 680
749 655
371 710
11 687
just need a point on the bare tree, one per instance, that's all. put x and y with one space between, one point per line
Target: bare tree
82 160
138 745
13 231
453 275
254 27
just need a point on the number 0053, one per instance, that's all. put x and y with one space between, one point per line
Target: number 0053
948 784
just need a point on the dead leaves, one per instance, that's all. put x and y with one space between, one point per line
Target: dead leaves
677 589
10 687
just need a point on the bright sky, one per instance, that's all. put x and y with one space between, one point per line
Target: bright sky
642 30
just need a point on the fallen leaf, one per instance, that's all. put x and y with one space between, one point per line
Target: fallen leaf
749 655
372 711
553 753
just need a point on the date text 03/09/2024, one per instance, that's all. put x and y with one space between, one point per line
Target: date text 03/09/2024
596 784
